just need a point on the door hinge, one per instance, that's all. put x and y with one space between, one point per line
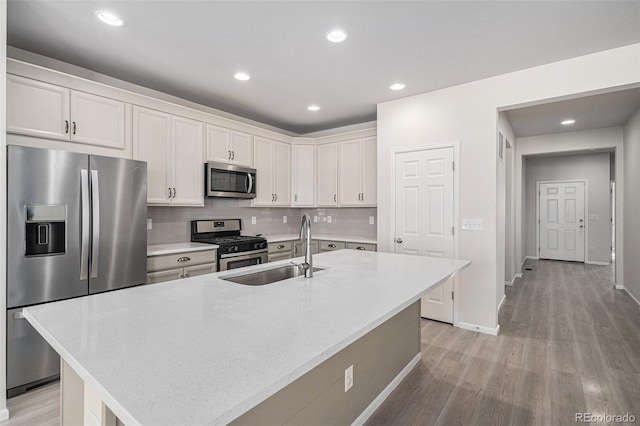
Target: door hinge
453 230
453 165
452 296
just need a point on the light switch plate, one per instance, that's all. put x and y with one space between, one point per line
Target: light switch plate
594 217
328 219
149 224
371 220
472 224
348 378
253 220
284 219
315 219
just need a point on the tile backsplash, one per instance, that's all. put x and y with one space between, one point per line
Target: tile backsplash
172 224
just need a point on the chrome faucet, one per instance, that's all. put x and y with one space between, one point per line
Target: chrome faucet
305 232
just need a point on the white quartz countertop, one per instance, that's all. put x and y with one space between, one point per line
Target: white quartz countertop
324 237
202 350
160 249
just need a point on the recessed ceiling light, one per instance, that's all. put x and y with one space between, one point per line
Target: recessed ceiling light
242 76
109 18
568 122
397 86
336 36
313 107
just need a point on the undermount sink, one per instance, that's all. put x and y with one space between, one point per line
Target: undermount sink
268 276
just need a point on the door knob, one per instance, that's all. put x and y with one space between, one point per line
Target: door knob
399 240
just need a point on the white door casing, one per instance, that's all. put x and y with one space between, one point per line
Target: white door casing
424 216
561 220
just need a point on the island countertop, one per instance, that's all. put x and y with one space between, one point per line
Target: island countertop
203 350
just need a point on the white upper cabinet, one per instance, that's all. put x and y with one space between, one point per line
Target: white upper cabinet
303 175
327 175
173 149
273 173
228 146
45 110
357 172
96 120
188 161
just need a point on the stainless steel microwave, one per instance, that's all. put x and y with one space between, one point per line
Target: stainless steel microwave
230 181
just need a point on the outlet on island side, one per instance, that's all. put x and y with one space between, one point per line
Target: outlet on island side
348 378
253 220
284 219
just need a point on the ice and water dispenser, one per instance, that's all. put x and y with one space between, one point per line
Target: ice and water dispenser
45 229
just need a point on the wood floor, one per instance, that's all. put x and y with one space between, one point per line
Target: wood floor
568 343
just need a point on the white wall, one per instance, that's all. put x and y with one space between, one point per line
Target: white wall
570 142
594 168
467 113
631 204
4 413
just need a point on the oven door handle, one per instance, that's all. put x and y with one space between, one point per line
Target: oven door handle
250 186
242 254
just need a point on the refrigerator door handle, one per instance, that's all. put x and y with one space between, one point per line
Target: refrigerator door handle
95 208
84 231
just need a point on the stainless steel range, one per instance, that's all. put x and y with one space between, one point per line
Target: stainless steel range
235 251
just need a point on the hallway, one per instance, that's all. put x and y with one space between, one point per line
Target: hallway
569 343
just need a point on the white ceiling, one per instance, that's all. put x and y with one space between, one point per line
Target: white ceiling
191 49
589 112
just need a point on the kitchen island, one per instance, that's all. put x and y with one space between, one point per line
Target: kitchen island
203 350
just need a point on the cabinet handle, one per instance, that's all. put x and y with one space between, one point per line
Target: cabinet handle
186 275
276 197
174 193
233 155
75 127
66 126
272 198
335 197
169 192
360 248
363 196
280 246
183 259
332 245
229 155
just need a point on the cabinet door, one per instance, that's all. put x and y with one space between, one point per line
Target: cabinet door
350 173
188 162
327 175
360 246
242 149
161 276
263 149
218 144
194 271
303 175
151 143
37 109
331 245
282 173
369 172
96 120
279 256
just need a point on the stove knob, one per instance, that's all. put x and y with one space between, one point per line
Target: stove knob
234 248
263 245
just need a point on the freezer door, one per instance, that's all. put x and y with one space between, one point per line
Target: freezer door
29 357
44 225
119 223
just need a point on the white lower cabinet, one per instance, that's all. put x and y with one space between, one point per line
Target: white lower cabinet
174 266
298 248
338 245
280 251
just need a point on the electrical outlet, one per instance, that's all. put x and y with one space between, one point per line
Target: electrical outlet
371 220
253 220
593 217
284 219
472 224
149 224
328 219
315 219
348 378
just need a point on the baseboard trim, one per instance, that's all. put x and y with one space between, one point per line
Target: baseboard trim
631 295
4 414
619 287
479 328
519 275
504 297
594 262
510 283
528 257
364 416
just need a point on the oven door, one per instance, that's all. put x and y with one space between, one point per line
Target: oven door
227 180
240 260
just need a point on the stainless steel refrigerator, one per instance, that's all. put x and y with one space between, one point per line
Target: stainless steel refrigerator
76 225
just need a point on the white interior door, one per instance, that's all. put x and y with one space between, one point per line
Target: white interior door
562 224
424 217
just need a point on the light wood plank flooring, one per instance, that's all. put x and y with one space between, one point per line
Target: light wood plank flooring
568 343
